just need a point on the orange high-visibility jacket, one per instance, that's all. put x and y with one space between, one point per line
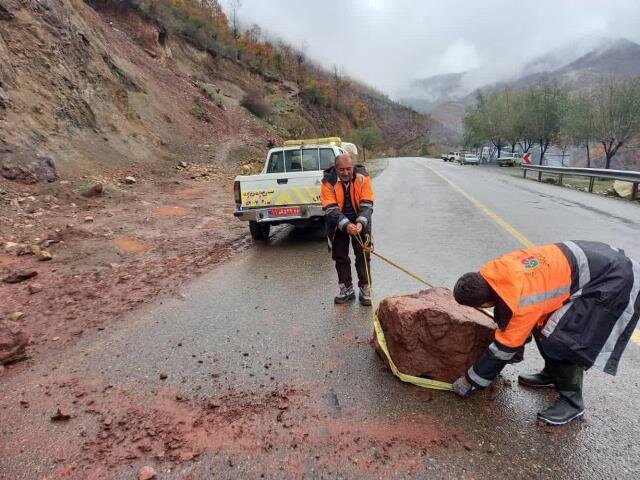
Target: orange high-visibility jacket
332 197
533 283
580 298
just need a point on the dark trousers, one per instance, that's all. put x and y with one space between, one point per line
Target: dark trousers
549 352
340 254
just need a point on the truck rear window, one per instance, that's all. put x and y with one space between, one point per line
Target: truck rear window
306 159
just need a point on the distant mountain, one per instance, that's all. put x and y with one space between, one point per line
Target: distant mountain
619 58
579 66
428 92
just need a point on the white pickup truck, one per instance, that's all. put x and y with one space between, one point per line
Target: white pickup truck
288 188
509 159
451 157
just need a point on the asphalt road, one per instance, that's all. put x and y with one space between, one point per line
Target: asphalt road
273 307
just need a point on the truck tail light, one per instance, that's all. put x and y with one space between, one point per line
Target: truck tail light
236 192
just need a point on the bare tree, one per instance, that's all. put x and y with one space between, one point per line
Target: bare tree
486 121
234 7
578 122
545 105
616 119
340 84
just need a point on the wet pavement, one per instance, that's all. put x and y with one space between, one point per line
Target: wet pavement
266 323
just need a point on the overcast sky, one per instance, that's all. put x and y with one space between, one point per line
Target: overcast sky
388 43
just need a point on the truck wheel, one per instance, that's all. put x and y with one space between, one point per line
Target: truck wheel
259 231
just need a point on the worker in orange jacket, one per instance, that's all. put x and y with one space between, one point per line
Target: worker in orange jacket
347 199
579 299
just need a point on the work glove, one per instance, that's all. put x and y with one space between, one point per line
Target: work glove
462 388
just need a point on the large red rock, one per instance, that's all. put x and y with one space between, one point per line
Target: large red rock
12 345
430 335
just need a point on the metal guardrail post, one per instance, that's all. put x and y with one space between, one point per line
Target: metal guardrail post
593 174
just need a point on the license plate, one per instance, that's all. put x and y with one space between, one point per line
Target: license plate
285 212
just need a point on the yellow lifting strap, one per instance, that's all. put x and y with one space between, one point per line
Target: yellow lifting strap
419 381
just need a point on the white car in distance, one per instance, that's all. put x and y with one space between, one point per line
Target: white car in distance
469 159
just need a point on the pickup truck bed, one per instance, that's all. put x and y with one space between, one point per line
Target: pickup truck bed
287 190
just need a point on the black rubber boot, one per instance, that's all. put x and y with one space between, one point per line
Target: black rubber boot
569 405
542 379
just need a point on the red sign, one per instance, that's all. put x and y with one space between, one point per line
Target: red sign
285 212
527 158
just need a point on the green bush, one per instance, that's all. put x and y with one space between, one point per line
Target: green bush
197 110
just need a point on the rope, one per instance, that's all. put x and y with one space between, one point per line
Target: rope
419 381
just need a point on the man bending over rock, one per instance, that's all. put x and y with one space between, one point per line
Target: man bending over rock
579 299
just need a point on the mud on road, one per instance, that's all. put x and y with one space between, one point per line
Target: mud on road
113 248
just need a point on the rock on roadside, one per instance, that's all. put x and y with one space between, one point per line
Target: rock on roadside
13 344
25 168
430 335
19 276
146 473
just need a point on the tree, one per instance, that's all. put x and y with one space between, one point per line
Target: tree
616 118
368 137
340 85
578 121
509 107
486 120
544 106
234 7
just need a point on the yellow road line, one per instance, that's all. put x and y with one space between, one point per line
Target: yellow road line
506 226
515 233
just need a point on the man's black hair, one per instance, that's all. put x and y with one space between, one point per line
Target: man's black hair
473 290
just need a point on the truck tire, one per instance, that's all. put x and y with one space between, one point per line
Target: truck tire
259 231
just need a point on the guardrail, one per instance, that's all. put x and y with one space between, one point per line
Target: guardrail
592 173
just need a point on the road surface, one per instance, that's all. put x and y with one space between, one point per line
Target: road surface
298 389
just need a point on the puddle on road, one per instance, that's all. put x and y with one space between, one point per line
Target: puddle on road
130 245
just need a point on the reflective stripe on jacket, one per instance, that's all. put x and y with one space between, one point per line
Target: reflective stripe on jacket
582 297
332 197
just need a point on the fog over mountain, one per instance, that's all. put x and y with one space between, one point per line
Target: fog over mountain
393 43
578 65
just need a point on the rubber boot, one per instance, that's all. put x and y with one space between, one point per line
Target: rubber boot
542 379
569 405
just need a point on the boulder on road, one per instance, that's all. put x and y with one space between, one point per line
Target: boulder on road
13 344
430 335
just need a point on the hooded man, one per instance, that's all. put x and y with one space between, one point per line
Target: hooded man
347 199
579 299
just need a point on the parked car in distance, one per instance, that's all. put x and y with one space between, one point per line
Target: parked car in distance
509 159
451 157
469 159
